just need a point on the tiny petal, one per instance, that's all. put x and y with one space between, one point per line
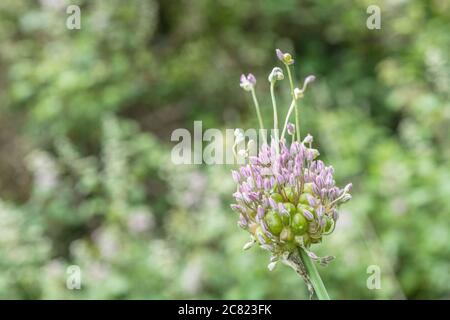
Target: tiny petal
253 196
308 215
259 182
242 222
248 245
283 210
280 54
280 179
311 200
251 79
260 213
261 239
320 211
271 266
267 184
348 188
236 176
273 204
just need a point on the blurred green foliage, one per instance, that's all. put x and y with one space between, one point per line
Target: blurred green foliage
85 123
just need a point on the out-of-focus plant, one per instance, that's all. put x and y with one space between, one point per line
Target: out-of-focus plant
380 113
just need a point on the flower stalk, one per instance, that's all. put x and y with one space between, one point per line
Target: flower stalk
297 116
291 108
314 276
258 113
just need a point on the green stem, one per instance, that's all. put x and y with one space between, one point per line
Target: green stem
287 118
275 114
314 276
258 113
297 118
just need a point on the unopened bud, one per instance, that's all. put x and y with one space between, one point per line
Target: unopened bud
247 82
308 139
290 129
248 245
286 58
276 74
298 93
346 197
308 80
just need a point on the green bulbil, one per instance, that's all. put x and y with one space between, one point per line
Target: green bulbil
299 224
290 194
277 197
302 206
307 187
274 222
303 198
290 207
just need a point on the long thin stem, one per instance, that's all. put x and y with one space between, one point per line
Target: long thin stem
297 118
275 114
314 276
287 118
258 113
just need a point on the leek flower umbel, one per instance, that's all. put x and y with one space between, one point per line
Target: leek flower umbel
287 199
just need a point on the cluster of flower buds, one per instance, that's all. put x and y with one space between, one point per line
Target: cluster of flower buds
286 198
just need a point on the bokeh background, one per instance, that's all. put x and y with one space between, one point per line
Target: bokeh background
86 116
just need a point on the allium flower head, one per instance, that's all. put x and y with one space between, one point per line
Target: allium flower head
288 199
